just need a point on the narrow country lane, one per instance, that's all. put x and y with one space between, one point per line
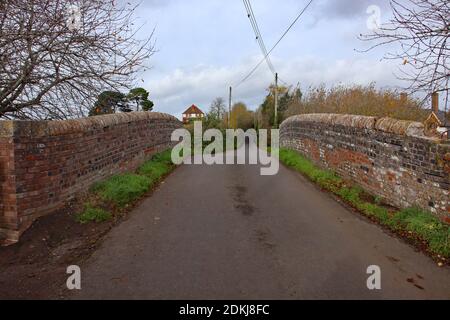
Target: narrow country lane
225 232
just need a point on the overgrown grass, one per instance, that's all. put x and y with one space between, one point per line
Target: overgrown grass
91 214
436 233
163 157
416 221
325 178
122 190
154 170
159 166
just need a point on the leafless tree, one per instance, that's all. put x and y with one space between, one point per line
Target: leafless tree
56 56
421 31
218 108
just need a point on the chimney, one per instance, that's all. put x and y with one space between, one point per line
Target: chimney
435 102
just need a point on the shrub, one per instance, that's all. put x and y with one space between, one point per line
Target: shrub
360 100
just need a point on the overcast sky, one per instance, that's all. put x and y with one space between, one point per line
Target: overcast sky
204 46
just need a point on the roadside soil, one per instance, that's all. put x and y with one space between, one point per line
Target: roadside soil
35 267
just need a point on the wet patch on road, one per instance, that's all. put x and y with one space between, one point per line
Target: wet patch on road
263 237
413 282
245 209
241 203
392 259
396 263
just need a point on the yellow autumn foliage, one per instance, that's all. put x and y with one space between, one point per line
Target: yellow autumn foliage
361 100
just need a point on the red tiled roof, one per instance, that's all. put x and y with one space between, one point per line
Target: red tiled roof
193 110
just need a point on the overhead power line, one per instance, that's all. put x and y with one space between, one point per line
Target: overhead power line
259 38
276 44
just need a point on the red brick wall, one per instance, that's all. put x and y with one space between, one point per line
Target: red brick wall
44 164
8 217
390 158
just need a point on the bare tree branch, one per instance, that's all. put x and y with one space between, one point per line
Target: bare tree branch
421 28
56 56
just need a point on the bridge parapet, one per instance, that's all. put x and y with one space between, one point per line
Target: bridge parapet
45 164
390 158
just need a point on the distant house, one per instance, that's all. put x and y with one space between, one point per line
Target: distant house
437 123
192 113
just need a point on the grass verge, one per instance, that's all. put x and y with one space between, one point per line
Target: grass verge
122 189
91 214
110 198
412 223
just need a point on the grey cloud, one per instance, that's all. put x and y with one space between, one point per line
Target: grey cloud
179 89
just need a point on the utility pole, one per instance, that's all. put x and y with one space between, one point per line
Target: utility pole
276 102
229 108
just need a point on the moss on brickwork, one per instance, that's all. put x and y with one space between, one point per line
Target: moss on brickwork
413 221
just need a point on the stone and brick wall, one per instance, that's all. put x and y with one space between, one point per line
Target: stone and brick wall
390 158
44 164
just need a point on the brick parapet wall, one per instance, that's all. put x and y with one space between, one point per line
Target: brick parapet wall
8 217
390 158
44 164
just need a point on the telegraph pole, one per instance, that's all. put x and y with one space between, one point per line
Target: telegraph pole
276 102
229 108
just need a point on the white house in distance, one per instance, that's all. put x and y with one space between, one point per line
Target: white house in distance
192 113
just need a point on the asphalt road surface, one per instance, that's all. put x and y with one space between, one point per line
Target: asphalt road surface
226 232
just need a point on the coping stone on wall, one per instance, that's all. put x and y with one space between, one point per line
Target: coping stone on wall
99 122
400 127
348 120
9 128
386 124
